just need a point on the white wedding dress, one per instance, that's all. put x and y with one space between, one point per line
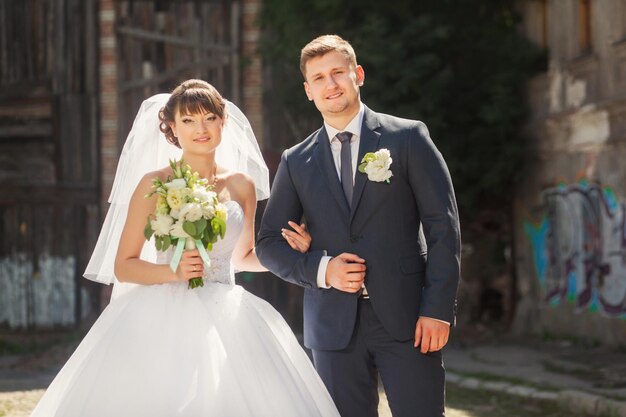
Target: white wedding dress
166 350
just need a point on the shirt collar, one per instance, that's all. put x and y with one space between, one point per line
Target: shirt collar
353 127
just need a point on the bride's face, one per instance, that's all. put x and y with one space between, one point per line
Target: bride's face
198 133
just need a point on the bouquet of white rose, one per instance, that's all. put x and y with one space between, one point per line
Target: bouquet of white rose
187 215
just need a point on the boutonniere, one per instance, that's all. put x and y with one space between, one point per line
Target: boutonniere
376 166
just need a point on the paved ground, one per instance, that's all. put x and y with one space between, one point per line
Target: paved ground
588 381
584 379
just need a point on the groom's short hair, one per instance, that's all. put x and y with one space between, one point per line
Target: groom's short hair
324 44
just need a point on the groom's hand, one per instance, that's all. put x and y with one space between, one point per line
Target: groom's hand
430 334
346 272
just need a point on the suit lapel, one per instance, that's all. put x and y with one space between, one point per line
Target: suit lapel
369 143
324 158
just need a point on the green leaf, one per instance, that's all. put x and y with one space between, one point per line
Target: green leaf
200 226
195 283
158 243
215 225
147 231
368 157
222 224
190 229
166 242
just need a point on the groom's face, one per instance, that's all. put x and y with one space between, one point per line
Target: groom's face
333 84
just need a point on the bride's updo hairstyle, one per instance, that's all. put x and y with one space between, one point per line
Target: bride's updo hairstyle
190 97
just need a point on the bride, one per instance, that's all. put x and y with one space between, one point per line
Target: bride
159 348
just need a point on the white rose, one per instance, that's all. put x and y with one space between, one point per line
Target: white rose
177 230
383 157
202 194
378 169
208 211
175 213
161 225
377 173
175 198
191 212
176 184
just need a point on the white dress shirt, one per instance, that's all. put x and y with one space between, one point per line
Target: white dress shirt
353 127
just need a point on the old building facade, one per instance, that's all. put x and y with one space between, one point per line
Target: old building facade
570 210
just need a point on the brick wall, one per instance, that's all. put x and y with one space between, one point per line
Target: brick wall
108 97
108 111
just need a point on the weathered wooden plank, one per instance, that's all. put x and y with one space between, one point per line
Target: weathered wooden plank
26 89
26 109
4 50
191 43
41 270
27 32
26 130
234 38
171 74
53 194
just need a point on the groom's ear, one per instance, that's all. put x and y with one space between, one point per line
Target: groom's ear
360 75
307 91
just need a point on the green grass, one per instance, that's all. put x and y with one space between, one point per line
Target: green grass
485 376
9 348
25 343
483 403
576 341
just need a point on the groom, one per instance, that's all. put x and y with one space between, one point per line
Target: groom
382 272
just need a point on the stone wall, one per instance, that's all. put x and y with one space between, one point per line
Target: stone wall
571 207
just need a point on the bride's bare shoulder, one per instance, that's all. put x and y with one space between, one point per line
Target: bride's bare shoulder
145 184
240 185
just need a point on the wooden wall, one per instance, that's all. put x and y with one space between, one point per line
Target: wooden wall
48 160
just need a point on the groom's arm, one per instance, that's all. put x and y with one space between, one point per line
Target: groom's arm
272 249
434 194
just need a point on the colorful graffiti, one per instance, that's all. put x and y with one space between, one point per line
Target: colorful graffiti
579 248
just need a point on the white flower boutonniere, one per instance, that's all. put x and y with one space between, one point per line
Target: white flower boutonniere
376 166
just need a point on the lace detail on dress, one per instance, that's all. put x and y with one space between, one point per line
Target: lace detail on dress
220 271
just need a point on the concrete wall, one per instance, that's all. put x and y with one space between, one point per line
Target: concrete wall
571 208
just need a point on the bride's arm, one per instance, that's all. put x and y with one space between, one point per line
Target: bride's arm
244 257
128 266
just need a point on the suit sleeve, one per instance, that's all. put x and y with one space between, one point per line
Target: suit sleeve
272 249
434 194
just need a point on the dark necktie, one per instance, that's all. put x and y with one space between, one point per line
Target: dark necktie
346 165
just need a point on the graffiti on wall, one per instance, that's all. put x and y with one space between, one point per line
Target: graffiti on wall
579 248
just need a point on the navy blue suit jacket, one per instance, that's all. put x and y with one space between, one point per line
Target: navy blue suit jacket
407 231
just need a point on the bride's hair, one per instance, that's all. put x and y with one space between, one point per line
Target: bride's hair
190 97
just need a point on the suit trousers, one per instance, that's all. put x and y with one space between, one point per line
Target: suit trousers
414 382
